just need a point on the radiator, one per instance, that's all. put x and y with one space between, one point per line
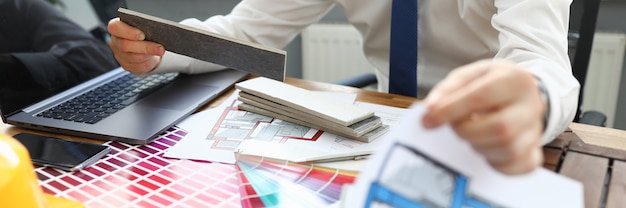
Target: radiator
331 52
601 90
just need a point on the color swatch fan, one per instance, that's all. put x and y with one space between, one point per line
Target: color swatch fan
277 183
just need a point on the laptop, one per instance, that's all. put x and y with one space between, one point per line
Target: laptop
136 115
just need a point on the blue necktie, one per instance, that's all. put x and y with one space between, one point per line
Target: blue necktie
403 48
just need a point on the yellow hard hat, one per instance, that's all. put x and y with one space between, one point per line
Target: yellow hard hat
18 182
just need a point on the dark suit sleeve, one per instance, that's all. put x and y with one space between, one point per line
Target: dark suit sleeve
62 53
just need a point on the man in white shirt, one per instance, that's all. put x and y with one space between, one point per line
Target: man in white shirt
503 76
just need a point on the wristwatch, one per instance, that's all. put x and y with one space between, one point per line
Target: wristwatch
546 101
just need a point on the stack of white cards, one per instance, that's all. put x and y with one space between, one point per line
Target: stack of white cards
289 103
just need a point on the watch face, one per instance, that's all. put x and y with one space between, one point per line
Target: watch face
546 101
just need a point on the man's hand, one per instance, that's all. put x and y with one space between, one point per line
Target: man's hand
131 51
497 107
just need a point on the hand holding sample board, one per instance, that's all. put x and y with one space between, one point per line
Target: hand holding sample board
279 100
207 46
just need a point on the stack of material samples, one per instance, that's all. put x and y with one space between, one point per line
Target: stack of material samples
282 101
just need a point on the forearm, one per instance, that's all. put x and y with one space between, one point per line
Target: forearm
562 93
68 63
538 43
565 107
15 73
55 51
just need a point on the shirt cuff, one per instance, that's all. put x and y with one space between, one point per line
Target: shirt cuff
173 62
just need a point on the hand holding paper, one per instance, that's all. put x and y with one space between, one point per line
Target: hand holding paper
436 168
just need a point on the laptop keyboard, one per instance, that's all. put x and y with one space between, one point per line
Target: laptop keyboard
107 99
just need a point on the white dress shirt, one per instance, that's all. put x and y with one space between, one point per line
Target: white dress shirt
452 33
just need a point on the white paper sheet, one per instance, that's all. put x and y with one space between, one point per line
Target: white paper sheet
437 169
201 144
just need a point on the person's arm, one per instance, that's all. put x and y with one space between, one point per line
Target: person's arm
533 33
496 105
272 23
15 69
61 52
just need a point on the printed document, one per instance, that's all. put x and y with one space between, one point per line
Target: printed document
435 168
215 134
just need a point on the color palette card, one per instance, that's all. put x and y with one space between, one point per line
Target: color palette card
139 176
268 182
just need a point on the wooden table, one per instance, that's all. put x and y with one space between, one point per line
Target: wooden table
593 155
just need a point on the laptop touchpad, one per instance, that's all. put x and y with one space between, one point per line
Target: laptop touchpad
179 96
